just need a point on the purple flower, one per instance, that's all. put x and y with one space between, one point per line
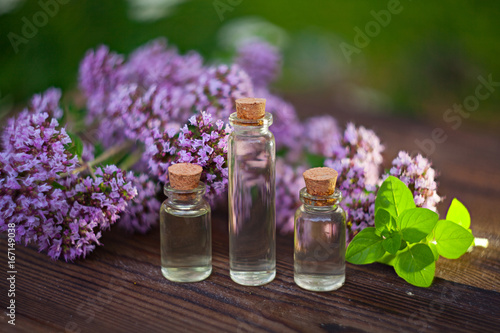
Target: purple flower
88 152
34 142
289 181
152 90
202 141
358 196
48 102
205 144
48 204
31 122
137 113
143 211
417 173
218 87
156 63
99 73
322 135
363 148
260 60
90 206
160 149
286 127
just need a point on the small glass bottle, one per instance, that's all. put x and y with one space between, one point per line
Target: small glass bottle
185 226
252 222
320 232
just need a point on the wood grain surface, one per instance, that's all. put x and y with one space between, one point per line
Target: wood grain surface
119 287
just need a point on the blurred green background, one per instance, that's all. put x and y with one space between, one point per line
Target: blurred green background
427 57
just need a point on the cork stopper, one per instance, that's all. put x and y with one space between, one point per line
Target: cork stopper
251 108
320 181
184 176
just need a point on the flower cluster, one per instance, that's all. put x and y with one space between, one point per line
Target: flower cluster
34 155
417 173
136 113
156 90
218 87
204 143
286 125
99 75
260 60
34 145
362 148
358 196
157 63
322 135
72 225
40 194
289 181
143 211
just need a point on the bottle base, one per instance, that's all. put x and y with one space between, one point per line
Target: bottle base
186 274
246 278
319 282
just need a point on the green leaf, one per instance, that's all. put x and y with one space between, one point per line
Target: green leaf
315 160
417 223
458 213
452 240
392 241
365 248
403 244
76 146
387 259
58 186
434 250
430 237
382 220
394 196
282 152
98 149
416 265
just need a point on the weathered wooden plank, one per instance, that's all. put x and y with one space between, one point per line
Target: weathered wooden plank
120 287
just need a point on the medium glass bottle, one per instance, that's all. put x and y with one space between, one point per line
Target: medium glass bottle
252 222
185 227
320 233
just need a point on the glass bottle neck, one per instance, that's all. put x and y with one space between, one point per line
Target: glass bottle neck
318 203
251 126
184 197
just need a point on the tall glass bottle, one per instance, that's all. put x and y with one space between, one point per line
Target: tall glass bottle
319 246
252 222
185 226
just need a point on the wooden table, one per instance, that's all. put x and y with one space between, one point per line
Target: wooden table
119 287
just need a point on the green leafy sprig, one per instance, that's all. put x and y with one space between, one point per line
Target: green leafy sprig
409 238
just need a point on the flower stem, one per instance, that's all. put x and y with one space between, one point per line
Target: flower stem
483 242
103 157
